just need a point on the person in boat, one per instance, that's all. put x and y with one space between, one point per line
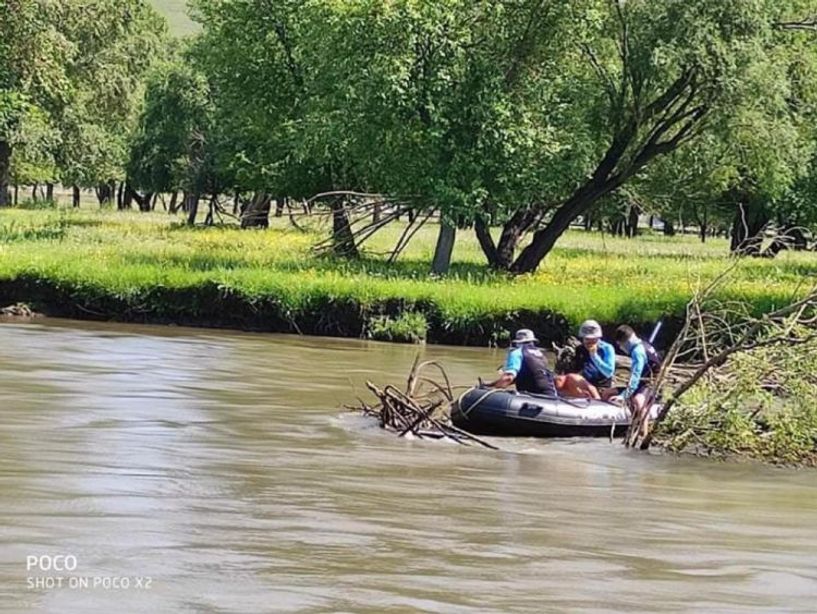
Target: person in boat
526 366
646 362
595 365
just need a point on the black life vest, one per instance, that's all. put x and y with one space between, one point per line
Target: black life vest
534 376
582 358
654 360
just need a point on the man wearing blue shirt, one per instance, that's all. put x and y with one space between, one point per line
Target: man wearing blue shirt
526 367
594 365
645 363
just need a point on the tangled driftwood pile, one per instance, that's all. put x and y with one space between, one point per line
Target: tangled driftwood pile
19 310
422 411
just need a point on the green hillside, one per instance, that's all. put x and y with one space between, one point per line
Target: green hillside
176 13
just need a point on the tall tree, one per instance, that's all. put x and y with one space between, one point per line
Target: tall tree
74 63
662 71
33 54
173 148
118 41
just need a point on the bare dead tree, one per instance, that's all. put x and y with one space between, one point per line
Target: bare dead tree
354 217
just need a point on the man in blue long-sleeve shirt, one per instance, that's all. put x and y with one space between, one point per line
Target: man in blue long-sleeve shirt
598 357
645 363
595 363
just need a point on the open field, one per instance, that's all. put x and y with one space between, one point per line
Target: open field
149 267
175 11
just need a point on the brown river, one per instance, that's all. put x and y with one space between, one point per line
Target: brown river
153 469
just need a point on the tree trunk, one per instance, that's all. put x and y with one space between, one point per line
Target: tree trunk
544 240
632 221
34 197
236 201
500 256
377 213
669 228
512 233
120 195
145 202
16 194
103 194
192 207
49 192
445 247
747 229
486 242
174 197
210 219
125 196
75 196
788 237
129 195
343 240
5 172
256 213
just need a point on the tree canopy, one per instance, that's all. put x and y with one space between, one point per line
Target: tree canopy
523 114
70 85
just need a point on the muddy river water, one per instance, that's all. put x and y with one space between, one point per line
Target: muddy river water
160 469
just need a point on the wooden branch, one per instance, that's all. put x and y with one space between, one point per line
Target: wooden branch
808 24
745 343
670 95
407 235
523 46
606 79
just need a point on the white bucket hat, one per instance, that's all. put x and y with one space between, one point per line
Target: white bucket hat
591 329
524 335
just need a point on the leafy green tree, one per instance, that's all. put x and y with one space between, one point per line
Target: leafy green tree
662 74
117 41
442 103
32 160
518 112
76 64
173 148
32 72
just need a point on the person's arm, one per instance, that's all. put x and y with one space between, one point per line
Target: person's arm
513 364
604 359
504 380
639 358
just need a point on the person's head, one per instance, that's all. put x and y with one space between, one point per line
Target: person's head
624 335
524 336
590 333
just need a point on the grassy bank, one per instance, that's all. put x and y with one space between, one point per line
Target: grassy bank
149 267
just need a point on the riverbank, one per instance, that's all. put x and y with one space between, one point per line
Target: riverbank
150 268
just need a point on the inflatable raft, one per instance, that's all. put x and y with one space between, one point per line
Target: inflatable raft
490 411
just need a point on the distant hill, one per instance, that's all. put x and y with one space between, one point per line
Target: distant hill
176 13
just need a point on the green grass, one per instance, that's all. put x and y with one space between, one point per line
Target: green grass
131 258
175 11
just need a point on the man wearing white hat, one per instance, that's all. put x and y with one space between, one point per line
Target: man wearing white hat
526 366
595 365
596 357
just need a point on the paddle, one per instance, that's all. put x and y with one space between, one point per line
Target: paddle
655 331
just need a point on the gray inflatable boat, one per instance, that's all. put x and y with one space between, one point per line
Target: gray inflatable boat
490 411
